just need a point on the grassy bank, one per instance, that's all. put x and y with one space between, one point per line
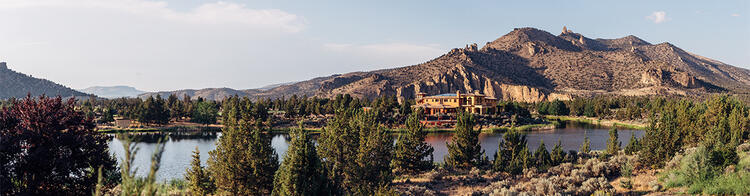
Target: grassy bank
601 122
530 127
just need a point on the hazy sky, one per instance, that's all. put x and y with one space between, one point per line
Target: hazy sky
176 44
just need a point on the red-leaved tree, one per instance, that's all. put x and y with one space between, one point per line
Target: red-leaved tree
47 147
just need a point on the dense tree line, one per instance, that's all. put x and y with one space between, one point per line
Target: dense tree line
152 110
720 123
623 108
159 111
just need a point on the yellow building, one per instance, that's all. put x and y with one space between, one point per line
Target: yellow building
451 103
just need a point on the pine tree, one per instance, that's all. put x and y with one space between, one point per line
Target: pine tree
613 144
335 146
525 158
199 182
356 152
243 162
508 157
204 112
153 111
411 150
374 155
542 157
464 150
586 146
301 172
633 145
557 155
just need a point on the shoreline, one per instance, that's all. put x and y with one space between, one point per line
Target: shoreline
601 122
552 124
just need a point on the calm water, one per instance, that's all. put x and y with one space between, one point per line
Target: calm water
178 149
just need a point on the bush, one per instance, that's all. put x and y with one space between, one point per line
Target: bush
701 173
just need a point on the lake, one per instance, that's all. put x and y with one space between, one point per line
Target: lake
180 146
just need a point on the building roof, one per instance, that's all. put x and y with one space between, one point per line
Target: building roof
438 106
445 95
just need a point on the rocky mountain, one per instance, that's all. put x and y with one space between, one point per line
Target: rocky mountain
18 85
113 91
533 65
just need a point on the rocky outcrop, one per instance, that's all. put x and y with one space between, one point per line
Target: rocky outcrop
660 77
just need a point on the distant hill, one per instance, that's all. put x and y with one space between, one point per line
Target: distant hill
14 84
113 91
529 64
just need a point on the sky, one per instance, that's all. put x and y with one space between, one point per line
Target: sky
158 45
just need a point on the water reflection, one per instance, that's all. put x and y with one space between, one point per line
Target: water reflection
180 145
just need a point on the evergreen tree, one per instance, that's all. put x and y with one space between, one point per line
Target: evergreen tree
411 150
558 154
301 172
508 157
356 152
187 105
526 158
613 144
335 147
204 113
542 157
557 107
374 155
662 140
107 115
464 150
633 145
243 162
586 146
153 111
174 106
199 182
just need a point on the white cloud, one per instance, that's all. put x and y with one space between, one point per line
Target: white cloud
736 15
658 17
150 45
209 13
